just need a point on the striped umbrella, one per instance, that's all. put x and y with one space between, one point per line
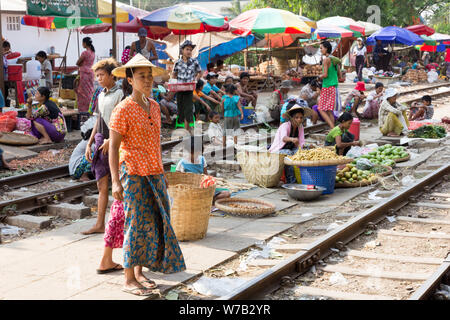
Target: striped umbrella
186 19
269 20
104 8
343 22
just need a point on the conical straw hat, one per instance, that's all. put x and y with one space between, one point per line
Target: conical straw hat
138 61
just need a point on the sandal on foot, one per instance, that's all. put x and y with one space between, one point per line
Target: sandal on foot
113 269
143 292
152 284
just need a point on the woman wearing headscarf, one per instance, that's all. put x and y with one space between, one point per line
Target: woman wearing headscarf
85 88
135 127
392 118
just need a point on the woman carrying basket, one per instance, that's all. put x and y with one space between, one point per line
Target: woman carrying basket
135 127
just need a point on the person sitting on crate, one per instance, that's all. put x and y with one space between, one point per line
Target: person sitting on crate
47 122
186 69
247 96
79 166
278 99
392 119
194 162
290 136
340 137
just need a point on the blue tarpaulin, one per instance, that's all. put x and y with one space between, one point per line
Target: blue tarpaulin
224 50
161 54
392 35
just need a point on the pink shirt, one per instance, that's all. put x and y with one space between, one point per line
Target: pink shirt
284 131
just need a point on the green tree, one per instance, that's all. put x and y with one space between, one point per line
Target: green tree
441 19
233 11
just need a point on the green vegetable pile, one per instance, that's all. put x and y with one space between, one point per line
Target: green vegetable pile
428 132
385 155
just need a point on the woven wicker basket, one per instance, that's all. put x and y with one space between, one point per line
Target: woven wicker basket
262 207
386 173
319 163
190 205
67 94
403 159
262 168
17 139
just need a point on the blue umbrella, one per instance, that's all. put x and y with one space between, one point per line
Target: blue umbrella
395 35
224 50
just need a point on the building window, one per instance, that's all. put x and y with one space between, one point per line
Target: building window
13 23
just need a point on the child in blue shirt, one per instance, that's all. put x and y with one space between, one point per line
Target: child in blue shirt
232 111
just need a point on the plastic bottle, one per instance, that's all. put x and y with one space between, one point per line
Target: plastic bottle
33 69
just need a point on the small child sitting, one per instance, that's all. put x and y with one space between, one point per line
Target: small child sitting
215 130
194 162
422 110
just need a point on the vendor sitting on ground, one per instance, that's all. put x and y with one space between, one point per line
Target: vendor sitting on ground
421 110
247 96
340 137
373 102
392 119
278 99
47 122
200 105
290 102
228 80
193 161
355 98
79 166
290 136
168 105
311 92
210 89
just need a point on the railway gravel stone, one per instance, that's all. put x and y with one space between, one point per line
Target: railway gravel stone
71 211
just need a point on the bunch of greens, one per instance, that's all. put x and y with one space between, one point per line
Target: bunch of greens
428 132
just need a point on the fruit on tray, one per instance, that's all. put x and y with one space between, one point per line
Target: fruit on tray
316 154
351 174
385 155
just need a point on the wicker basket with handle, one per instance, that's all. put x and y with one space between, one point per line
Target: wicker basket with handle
262 168
190 205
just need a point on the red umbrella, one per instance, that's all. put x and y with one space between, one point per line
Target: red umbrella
421 29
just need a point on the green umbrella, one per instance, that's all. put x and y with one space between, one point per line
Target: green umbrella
429 41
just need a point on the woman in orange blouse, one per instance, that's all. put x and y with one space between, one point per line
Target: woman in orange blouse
135 128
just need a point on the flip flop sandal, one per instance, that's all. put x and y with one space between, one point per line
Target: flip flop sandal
143 292
114 269
153 285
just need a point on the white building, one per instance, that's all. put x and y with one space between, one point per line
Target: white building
29 40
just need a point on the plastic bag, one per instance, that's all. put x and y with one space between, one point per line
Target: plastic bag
364 164
23 124
432 76
217 286
8 122
355 152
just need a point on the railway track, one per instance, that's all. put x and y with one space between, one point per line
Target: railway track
344 252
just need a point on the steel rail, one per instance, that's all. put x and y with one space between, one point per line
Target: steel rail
319 249
428 288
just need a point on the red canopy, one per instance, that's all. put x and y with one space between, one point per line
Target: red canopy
421 29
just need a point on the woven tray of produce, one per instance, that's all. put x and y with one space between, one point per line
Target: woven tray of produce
356 184
245 207
317 157
402 159
385 173
17 139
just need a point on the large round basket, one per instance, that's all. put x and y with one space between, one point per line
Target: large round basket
245 207
262 168
355 184
386 173
17 139
190 205
403 159
318 163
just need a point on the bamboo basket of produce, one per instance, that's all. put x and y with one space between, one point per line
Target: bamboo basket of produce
190 205
262 168
351 177
280 65
245 207
312 70
387 155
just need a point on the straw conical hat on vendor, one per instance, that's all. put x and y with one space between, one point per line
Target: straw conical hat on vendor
288 114
138 61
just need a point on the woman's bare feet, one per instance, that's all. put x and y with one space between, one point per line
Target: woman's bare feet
94 229
393 134
84 177
45 141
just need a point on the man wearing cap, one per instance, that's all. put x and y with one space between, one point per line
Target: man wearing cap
278 98
186 69
144 46
392 119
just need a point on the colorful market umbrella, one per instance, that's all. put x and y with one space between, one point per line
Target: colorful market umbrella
268 20
369 28
428 41
186 19
332 32
104 8
429 48
421 29
393 35
309 22
343 22
440 37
